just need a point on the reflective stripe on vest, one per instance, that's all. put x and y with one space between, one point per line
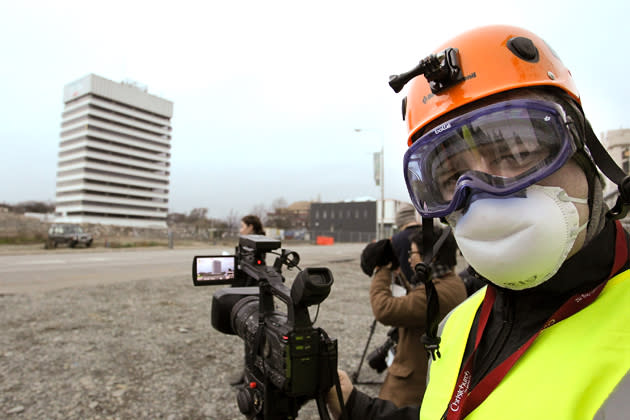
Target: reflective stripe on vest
567 373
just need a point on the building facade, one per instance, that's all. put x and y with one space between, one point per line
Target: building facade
353 221
114 155
293 217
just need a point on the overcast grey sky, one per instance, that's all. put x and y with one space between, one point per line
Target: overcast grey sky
267 94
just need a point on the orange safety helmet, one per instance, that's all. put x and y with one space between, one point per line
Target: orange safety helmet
490 60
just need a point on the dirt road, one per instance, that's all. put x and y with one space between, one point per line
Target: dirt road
144 348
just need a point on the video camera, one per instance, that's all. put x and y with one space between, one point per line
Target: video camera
287 360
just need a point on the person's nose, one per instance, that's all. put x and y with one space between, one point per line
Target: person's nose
479 163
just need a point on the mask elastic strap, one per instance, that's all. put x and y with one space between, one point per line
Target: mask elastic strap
566 197
563 196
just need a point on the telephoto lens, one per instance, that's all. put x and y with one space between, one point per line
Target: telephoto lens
377 359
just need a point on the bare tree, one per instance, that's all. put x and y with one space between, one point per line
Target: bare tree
261 211
198 214
232 221
31 207
279 217
279 203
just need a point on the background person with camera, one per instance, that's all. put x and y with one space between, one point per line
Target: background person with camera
408 223
406 376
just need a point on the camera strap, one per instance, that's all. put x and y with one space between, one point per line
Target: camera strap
430 339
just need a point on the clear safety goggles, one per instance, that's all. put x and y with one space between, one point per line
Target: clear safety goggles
499 149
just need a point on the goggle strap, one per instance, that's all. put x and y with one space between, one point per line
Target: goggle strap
602 159
609 167
427 239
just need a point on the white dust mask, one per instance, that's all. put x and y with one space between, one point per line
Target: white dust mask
518 242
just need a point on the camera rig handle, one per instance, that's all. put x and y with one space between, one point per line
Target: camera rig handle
310 287
271 284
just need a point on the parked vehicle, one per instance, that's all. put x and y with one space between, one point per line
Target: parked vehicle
67 234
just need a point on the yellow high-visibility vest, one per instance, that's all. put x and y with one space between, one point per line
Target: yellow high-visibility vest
569 371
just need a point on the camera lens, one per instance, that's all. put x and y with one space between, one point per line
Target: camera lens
244 317
377 359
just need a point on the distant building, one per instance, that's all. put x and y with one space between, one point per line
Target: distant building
293 217
114 154
300 213
352 221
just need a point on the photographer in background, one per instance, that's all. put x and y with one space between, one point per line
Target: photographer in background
406 377
407 224
251 225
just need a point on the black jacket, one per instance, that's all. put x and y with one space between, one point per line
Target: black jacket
515 317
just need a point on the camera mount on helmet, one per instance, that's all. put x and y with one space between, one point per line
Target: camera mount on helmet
441 71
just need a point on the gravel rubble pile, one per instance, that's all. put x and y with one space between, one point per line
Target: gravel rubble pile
146 350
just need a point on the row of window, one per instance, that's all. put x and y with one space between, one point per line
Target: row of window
64 173
95 129
162 171
115 216
74 114
106 151
131 107
65 144
89 181
110 205
340 214
114 195
122 105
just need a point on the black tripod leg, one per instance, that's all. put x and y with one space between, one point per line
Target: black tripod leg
355 375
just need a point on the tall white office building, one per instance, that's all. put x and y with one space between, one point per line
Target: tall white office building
114 154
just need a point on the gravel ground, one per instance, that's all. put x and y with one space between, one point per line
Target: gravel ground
146 349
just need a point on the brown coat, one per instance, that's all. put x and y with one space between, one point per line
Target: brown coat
406 377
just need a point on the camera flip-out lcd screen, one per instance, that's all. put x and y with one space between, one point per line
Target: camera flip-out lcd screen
213 269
